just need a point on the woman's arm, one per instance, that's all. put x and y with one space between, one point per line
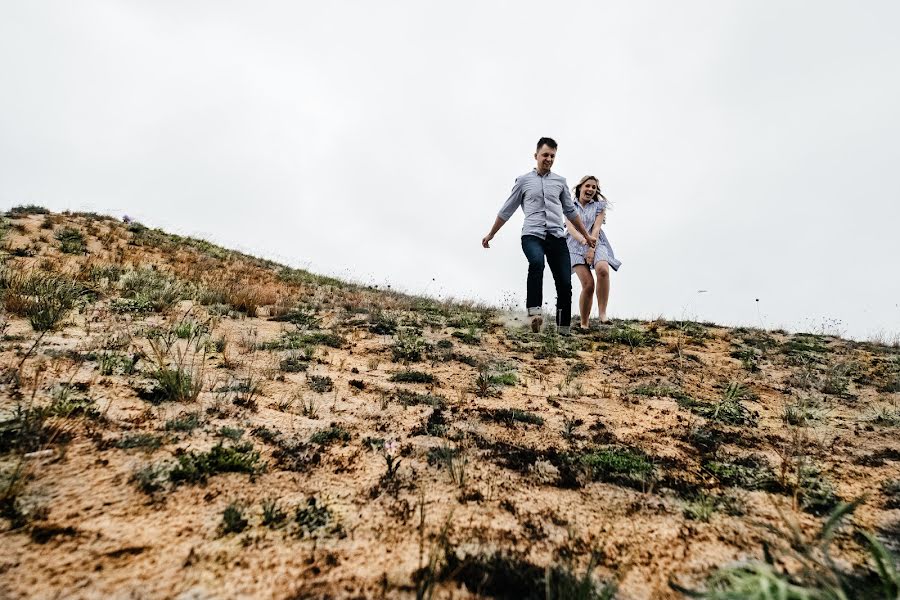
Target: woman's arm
595 230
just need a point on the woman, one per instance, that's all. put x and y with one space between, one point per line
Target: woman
591 205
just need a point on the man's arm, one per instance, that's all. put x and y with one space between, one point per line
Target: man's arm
486 240
506 211
574 233
579 227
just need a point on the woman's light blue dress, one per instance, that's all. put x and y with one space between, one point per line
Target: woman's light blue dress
603 250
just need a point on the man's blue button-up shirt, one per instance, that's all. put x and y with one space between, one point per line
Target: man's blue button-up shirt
544 200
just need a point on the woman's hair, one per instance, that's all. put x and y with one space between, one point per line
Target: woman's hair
581 183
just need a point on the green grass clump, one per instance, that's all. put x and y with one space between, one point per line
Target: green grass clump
183 422
233 520
302 319
273 515
511 416
408 398
145 441
71 241
151 478
154 289
625 466
509 575
749 473
294 340
43 298
195 467
26 209
412 377
814 575
325 437
409 347
320 383
662 391
628 335
173 384
313 517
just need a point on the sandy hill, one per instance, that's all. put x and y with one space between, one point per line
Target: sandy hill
178 420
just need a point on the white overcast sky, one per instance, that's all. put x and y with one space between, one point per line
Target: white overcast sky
747 146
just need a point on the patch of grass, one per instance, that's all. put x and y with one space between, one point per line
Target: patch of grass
326 437
455 460
484 386
302 319
172 384
154 289
43 298
628 335
891 491
623 466
71 241
297 340
115 363
194 467
382 323
320 383
728 409
412 377
408 347
805 345
750 358
67 402
801 412
233 520
749 473
314 517
507 575
145 441
296 361
231 433
504 378
25 210
662 391
151 478
408 398
470 336
888 415
435 424
273 515
183 422
511 416
701 508
813 575
27 430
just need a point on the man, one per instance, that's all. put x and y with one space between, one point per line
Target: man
544 198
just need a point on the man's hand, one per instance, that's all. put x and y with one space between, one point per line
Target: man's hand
591 241
485 241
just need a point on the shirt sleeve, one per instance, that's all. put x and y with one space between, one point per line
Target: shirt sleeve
565 199
513 202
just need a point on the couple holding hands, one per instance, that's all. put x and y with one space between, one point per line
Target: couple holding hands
568 234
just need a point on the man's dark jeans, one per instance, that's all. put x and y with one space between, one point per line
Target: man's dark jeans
557 253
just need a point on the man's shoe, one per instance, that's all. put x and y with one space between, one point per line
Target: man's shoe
564 330
536 322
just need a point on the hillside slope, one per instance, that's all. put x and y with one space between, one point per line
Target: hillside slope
182 421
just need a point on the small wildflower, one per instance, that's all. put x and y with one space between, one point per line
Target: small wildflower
126 219
391 451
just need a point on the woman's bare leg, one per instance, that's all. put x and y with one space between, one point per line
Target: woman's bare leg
587 293
603 289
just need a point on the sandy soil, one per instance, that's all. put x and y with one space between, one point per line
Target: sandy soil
522 486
